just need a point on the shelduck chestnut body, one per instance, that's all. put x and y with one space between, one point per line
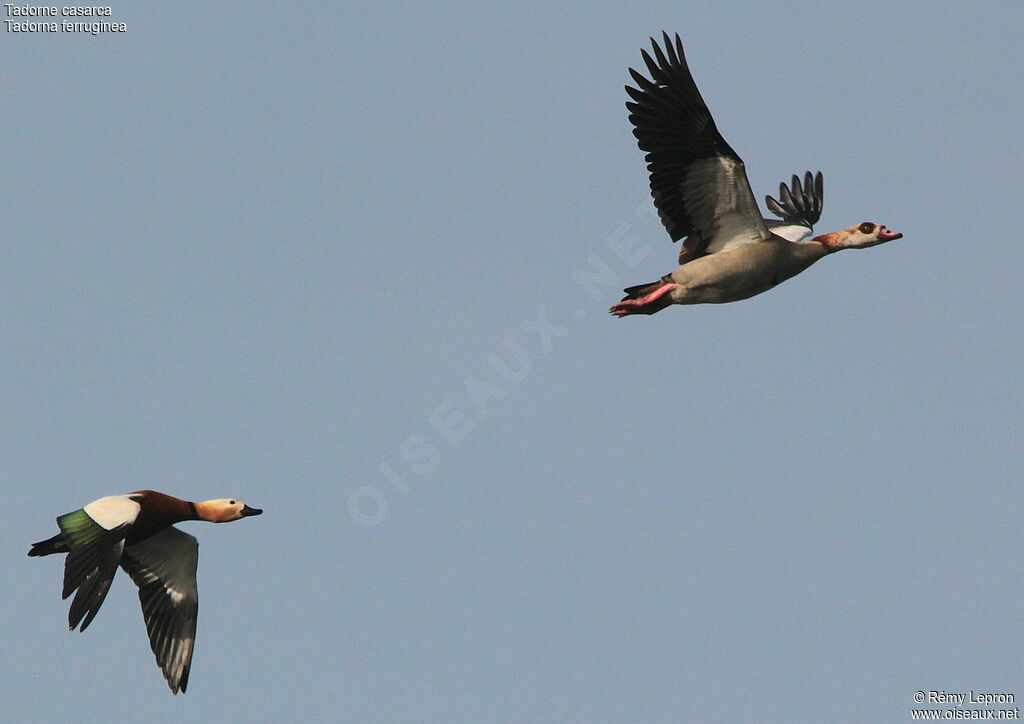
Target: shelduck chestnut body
136 531
700 188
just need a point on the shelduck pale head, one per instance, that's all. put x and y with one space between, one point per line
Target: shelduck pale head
224 510
858 237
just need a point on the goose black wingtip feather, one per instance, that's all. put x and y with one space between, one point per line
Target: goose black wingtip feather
801 203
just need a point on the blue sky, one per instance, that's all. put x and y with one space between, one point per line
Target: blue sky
328 259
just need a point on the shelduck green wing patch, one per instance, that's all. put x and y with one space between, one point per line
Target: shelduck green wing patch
164 568
80 529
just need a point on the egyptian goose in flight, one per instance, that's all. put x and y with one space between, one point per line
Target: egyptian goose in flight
136 531
702 194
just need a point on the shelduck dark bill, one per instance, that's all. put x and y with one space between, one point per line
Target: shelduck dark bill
702 195
136 531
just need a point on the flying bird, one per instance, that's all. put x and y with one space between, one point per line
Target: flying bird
136 531
702 195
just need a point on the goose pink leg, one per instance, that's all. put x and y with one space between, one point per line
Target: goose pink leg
647 304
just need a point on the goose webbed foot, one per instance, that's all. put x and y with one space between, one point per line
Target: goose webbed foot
647 304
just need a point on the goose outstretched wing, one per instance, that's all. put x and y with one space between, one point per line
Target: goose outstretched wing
698 181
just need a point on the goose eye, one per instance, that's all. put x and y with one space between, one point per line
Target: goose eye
867 227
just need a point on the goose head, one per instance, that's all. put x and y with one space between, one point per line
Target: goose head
224 510
858 237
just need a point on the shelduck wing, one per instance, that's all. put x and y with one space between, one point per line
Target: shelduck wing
164 568
95 535
698 181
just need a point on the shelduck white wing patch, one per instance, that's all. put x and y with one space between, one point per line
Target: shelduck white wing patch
164 568
114 510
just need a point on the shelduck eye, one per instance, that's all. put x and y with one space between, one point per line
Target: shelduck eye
231 502
867 227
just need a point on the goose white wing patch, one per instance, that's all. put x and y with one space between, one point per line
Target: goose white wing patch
114 510
789 232
164 568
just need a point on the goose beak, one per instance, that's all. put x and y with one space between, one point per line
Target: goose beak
247 511
886 235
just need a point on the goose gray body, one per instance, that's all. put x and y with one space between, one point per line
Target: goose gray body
743 272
